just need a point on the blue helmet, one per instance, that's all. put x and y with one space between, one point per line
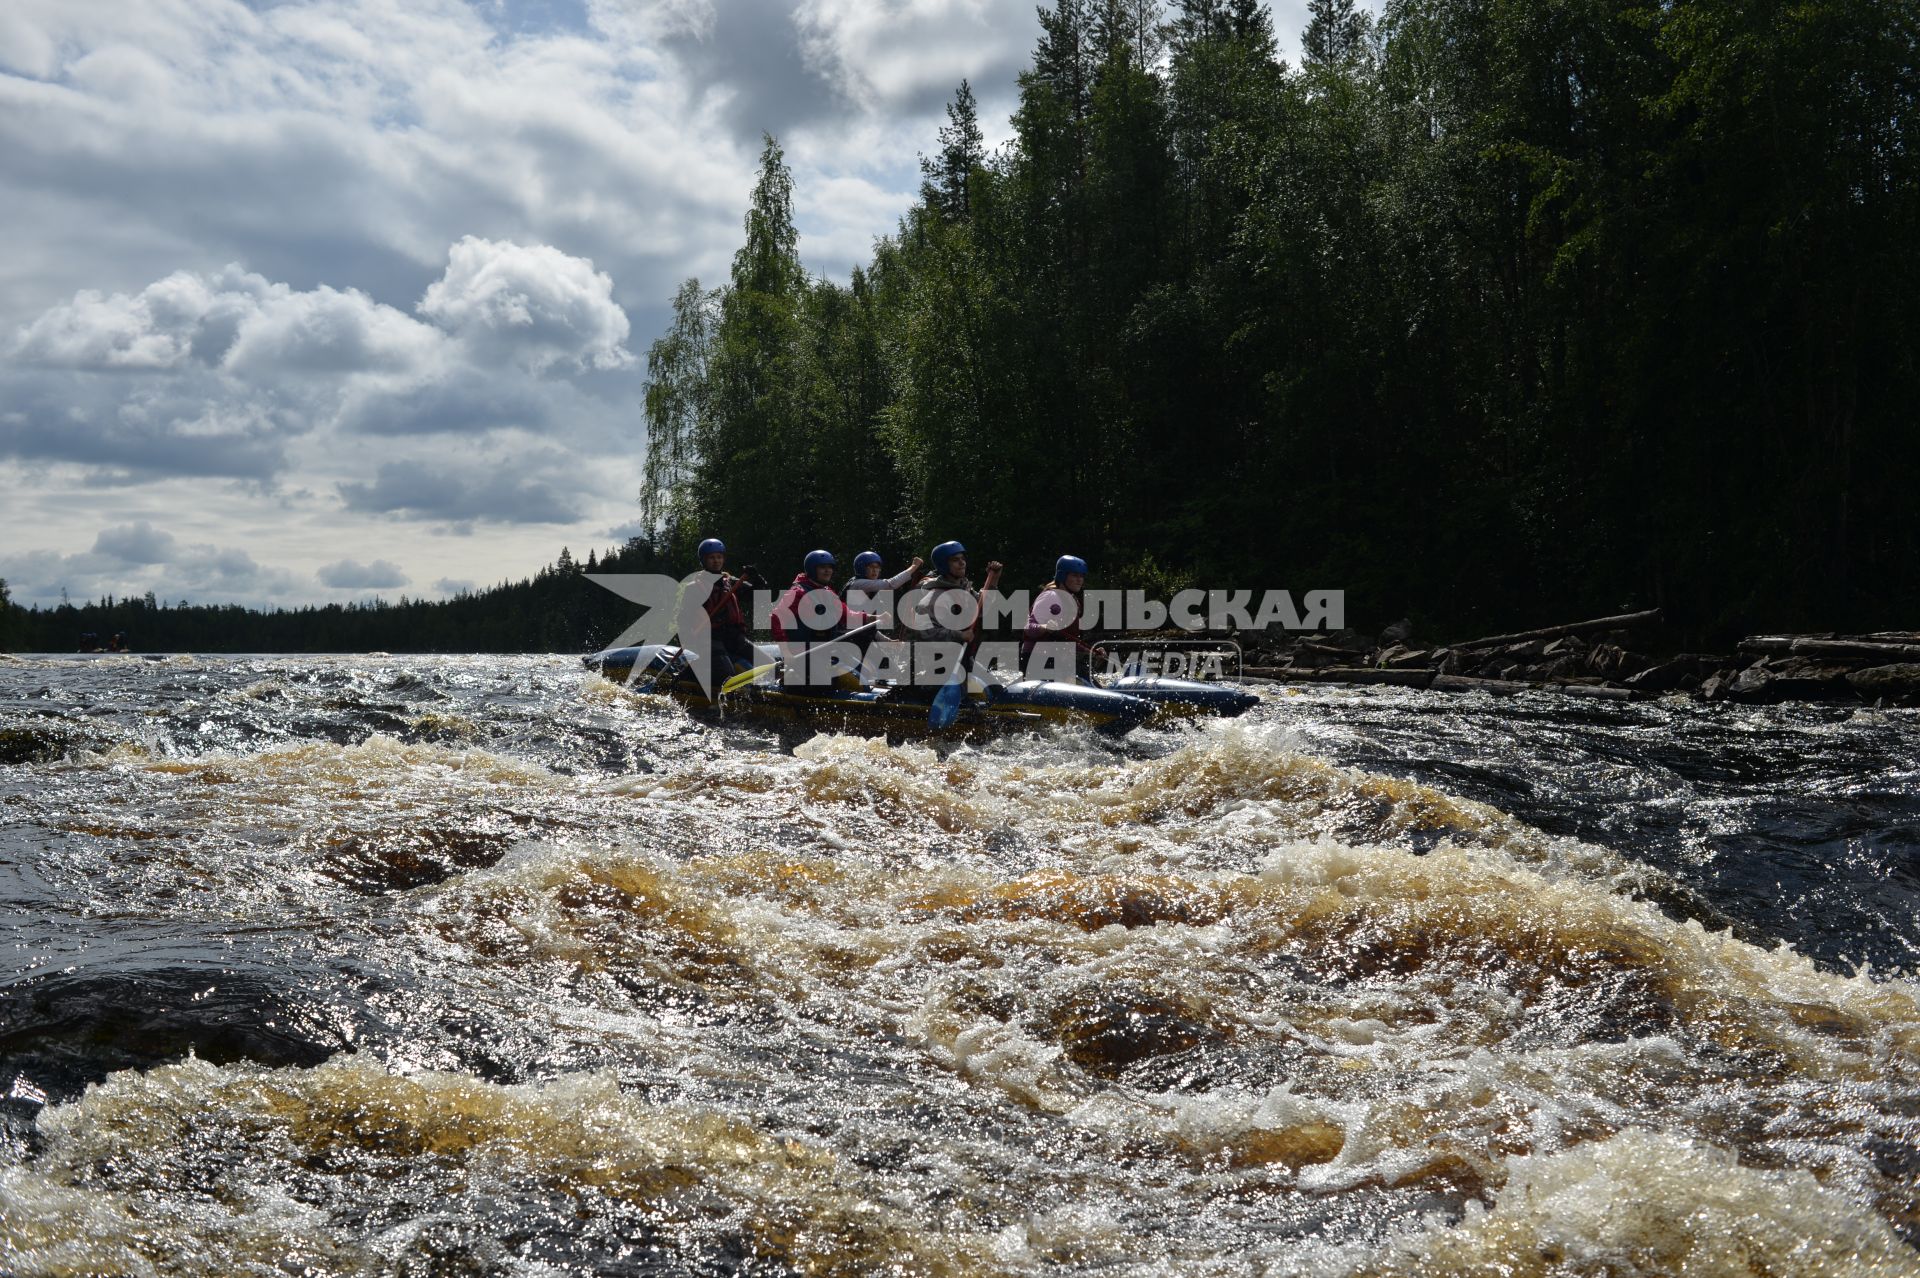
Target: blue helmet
943 552
712 546
865 557
818 559
1066 564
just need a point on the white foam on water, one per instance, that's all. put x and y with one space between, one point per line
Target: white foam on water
1654 1204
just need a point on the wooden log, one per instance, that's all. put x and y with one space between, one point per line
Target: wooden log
1508 687
1625 621
1328 649
1767 645
1465 683
1597 691
1853 650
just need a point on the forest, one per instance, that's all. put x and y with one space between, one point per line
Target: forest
1487 312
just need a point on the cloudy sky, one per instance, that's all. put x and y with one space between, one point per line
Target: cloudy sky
309 300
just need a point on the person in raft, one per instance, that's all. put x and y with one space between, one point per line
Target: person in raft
811 613
869 587
946 608
733 649
1053 627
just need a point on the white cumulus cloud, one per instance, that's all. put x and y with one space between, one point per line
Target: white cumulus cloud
231 320
529 303
457 225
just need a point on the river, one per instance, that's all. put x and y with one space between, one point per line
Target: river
474 965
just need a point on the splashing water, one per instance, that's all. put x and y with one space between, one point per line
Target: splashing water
479 965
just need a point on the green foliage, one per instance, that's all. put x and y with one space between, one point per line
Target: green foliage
677 413
1491 310
950 174
1336 33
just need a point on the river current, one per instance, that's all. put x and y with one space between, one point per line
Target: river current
477 965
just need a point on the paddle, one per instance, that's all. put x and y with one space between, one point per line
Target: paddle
746 677
946 703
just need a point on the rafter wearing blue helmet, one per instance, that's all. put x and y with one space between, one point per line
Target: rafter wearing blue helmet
870 590
796 621
949 560
732 646
1056 618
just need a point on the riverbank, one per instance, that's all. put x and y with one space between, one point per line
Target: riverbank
1615 658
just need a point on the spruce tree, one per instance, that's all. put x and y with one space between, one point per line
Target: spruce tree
962 150
1336 32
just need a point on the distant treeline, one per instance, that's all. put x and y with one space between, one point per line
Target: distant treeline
1487 312
557 610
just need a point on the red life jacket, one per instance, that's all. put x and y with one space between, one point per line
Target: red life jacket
723 606
789 622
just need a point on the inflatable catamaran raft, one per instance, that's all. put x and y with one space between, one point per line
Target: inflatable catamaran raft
661 670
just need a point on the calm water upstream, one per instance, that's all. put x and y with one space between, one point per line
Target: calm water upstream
463 965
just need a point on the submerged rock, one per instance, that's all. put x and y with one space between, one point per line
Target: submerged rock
38 744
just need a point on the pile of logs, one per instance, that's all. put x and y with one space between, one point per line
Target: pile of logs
1601 659
1882 667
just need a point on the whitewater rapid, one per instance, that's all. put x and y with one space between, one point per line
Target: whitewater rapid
432 965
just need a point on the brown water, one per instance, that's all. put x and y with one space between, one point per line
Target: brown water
435 965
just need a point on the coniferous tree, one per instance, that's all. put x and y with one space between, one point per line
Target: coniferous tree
755 466
1520 308
1336 31
946 176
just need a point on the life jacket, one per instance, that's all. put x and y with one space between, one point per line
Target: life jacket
923 604
791 622
1047 620
723 606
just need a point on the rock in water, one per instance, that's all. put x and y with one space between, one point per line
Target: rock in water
1399 657
1898 683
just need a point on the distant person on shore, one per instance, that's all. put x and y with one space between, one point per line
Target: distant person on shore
1054 624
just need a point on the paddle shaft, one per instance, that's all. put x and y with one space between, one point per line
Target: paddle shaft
741 680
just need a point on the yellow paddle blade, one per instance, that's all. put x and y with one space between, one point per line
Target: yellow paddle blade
745 677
